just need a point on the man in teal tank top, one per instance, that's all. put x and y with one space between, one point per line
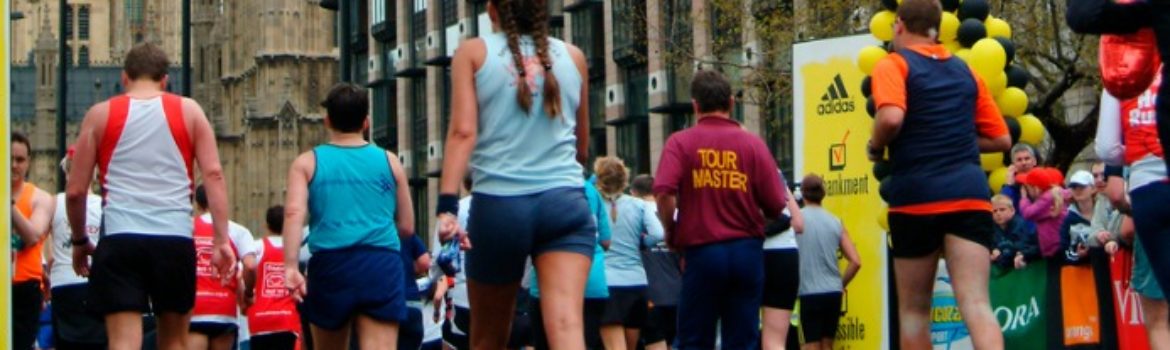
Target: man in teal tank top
358 203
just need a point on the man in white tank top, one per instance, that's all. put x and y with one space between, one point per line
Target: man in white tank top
145 143
74 327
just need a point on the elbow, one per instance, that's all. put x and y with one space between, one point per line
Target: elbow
406 229
75 195
213 173
461 134
1001 144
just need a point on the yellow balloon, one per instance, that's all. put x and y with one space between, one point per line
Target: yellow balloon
953 46
997 28
883 218
991 161
997 178
1013 102
965 55
997 85
988 58
948 28
882 25
1031 130
869 57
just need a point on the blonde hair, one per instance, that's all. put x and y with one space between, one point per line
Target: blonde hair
1002 200
612 178
1057 200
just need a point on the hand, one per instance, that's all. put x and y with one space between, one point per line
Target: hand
295 282
1082 250
1104 237
223 263
1111 247
81 255
994 254
875 154
1011 175
448 226
1019 262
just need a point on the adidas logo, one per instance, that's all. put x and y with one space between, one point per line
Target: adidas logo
836 99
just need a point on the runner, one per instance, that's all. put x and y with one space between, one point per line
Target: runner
358 201
781 273
273 319
145 142
936 116
32 208
664 279
74 326
415 261
518 116
822 284
726 183
214 322
1126 135
631 218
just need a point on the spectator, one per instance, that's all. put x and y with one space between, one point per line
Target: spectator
1024 159
1076 234
821 282
1044 204
1015 238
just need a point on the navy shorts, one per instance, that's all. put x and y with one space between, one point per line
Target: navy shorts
347 282
506 230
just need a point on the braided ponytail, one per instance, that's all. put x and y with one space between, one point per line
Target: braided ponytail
552 88
507 18
530 17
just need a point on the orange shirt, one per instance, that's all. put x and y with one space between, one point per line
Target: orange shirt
889 89
28 260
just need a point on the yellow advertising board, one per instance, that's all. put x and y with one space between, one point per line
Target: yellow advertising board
831 129
5 196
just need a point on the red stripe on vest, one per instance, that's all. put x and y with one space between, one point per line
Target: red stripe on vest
274 310
115 123
173 108
212 298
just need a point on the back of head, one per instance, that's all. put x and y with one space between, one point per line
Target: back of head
643 185
275 219
201 197
920 17
812 187
530 17
612 175
711 92
146 61
346 107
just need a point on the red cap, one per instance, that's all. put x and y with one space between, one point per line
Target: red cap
1044 178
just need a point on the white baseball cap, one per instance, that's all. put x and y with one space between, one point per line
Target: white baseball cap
1081 178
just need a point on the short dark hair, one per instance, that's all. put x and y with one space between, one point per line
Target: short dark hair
275 219
347 106
812 187
146 60
201 196
642 185
920 17
711 91
18 137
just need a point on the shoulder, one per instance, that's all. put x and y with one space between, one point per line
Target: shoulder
473 49
575 53
892 63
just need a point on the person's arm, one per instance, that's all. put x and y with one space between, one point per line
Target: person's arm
404 216
582 128
461 133
851 254
250 271
652 226
1027 243
795 217
889 93
1115 189
32 230
207 156
1108 17
296 203
666 185
604 230
81 172
767 183
992 130
1108 143
1039 209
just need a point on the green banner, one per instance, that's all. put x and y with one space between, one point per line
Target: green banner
1018 300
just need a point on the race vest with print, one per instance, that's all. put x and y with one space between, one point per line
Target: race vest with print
212 298
1140 126
274 310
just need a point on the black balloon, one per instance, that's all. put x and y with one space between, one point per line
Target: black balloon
884 188
1013 126
971 31
950 5
866 87
1008 47
870 107
1017 77
1007 157
977 9
891 5
881 169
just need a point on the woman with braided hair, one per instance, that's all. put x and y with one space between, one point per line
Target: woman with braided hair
519 118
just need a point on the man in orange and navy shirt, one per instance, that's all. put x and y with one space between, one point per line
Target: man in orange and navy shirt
934 117
31 212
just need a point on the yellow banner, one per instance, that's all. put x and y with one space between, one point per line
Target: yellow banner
5 196
831 132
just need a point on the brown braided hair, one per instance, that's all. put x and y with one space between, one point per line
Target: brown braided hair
519 17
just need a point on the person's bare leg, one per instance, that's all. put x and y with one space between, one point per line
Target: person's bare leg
492 319
776 322
827 343
613 337
562 278
223 342
914 279
811 345
124 330
376 335
659 345
632 337
1157 322
197 341
172 330
970 271
325 339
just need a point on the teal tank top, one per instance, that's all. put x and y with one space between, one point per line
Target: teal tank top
520 152
352 199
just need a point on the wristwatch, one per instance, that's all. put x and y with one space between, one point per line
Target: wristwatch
81 241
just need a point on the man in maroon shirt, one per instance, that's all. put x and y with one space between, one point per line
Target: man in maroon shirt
725 182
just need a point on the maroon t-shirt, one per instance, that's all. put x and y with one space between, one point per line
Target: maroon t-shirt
726 181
